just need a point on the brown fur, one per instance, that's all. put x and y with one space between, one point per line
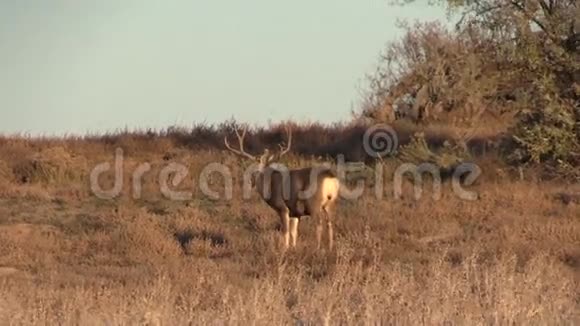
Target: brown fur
293 193
297 193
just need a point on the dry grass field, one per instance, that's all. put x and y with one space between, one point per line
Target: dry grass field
67 257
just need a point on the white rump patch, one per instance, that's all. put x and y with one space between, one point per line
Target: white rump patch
330 188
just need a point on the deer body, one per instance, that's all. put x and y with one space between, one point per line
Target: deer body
295 193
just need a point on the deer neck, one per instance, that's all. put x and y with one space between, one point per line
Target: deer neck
262 184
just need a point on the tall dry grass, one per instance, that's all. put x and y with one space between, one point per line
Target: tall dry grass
67 257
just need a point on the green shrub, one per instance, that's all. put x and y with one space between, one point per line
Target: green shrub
446 158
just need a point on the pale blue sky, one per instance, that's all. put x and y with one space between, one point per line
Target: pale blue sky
93 66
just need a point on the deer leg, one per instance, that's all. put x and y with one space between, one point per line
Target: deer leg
329 227
330 234
294 230
318 232
285 219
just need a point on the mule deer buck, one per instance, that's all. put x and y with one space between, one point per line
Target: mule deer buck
293 194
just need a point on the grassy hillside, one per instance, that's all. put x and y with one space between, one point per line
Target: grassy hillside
70 257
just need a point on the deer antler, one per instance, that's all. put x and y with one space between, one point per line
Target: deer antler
287 149
240 152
